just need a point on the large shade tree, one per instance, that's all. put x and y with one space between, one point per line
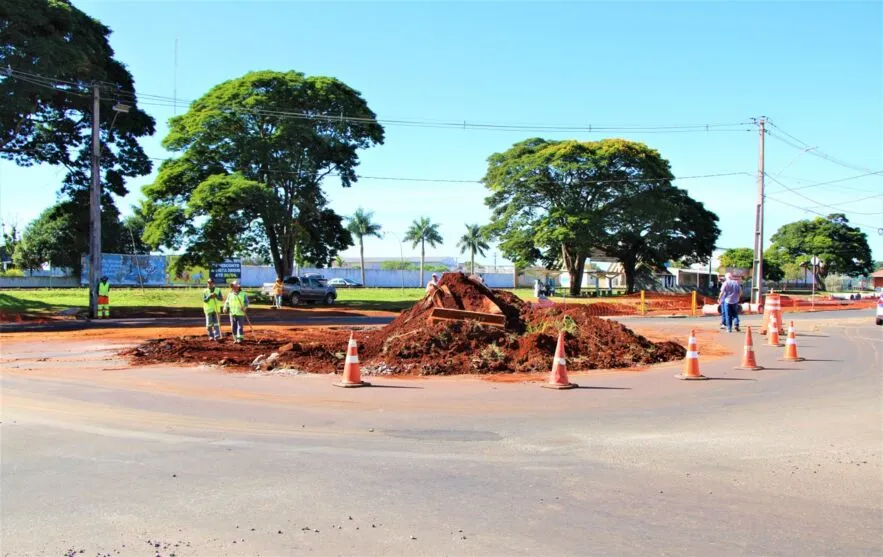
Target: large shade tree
253 155
743 258
561 201
841 248
421 232
360 226
474 241
51 53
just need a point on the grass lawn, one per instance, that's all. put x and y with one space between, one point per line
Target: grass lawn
46 302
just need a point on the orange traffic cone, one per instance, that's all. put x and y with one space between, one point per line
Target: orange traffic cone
791 346
351 372
691 362
748 359
773 338
558 377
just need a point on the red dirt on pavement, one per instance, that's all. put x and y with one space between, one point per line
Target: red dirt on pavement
412 345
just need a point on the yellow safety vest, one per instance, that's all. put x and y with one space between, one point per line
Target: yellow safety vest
211 304
104 288
237 303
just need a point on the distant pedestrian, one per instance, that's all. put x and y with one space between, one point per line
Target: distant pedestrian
537 288
278 291
103 293
432 284
237 304
211 306
730 296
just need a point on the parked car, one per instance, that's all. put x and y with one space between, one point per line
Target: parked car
312 288
344 283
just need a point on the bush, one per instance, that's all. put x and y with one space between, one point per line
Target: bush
12 273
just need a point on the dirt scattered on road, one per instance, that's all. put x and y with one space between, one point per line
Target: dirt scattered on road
414 345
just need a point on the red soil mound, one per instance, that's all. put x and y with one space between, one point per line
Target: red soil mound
413 345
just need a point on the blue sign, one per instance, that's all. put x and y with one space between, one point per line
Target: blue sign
230 269
130 270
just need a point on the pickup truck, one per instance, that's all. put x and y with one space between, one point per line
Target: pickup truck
303 289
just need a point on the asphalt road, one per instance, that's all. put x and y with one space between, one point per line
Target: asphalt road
190 461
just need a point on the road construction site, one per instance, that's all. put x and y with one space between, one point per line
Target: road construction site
108 451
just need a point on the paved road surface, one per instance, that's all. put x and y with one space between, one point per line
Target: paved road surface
785 461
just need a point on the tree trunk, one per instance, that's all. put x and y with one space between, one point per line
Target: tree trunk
575 264
514 275
628 267
362 260
422 257
472 265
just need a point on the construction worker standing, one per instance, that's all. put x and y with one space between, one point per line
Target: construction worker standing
237 304
103 291
278 291
211 305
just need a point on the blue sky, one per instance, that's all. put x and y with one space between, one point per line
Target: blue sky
815 69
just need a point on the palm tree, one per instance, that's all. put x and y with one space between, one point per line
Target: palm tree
360 225
475 241
421 232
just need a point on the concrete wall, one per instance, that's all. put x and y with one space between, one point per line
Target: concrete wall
38 282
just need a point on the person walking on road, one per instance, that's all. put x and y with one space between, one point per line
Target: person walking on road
103 293
278 291
211 306
237 304
730 296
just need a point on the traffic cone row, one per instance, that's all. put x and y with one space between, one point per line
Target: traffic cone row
558 377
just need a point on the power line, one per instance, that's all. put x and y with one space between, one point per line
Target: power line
804 146
462 181
858 224
145 99
813 201
837 181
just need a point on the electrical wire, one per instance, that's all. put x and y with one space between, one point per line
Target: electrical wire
813 201
164 101
804 146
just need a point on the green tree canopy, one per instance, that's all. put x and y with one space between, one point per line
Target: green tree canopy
560 201
60 235
423 231
51 53
475 241
743 258
842 249
254 153
360 225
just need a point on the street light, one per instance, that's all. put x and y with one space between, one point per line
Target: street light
401 257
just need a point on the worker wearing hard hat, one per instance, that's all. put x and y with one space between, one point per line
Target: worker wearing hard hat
237 304
211 306
432 284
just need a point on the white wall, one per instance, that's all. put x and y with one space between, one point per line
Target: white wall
253 276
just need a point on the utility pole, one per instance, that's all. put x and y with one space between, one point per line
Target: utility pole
95 207
757 287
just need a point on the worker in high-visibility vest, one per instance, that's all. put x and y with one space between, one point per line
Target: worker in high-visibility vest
237 304
211 306
103 292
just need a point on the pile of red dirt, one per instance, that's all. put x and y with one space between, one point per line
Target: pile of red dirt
414 345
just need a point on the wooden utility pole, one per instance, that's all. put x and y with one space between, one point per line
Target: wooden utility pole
95 207
757 285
